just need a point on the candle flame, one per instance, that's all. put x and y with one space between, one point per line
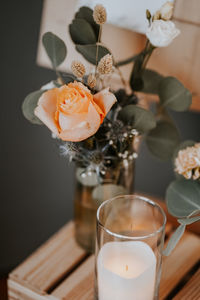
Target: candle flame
126 267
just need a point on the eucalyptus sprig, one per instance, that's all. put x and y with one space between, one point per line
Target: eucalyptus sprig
183 195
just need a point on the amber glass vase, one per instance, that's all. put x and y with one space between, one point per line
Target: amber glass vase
91 190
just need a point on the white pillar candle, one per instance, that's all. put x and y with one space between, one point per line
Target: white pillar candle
126 271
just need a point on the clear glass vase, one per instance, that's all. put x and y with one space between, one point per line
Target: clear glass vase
92 188
129 245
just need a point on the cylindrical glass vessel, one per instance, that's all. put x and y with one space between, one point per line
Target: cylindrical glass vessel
91 190
129 245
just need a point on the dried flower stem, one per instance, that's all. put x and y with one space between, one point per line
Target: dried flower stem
98 43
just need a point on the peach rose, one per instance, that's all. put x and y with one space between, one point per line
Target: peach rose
72 112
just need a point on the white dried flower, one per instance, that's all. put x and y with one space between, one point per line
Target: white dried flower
187 162
166 11
105 64
99 14
161 33
78 68
91 81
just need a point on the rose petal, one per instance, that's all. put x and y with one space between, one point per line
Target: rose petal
46 108
69 121
105 100
84 129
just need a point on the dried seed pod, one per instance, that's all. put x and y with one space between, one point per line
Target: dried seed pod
91 81
99 14
78 69
105 64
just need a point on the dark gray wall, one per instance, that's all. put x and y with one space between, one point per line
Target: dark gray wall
36 182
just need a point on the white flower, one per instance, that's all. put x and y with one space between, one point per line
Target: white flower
166 11
161 33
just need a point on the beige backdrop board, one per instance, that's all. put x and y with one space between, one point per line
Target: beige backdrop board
180 59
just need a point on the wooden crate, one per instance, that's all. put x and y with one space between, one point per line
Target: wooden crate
61 270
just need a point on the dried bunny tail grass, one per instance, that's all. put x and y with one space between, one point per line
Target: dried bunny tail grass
99 14
78 68
91 81
105 64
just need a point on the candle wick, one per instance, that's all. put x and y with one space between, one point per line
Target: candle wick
126 267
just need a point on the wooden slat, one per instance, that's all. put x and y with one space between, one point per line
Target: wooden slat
175 267
182 259
187 11
80 285
191 290
51 261
17 291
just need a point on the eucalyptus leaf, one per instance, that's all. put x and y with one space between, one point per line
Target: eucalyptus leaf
86 13
55 48
151 81
141 119
82 32
189 221
183 198
29 105
163 140
89 52
174 239
68 77
174 95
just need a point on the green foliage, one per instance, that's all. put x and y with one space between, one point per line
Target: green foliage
174 95
163 140
151 81
55 48
29 105
183 198
89 52
82 32
86 13
175 238
141 119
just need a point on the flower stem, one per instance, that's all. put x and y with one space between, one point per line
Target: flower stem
127 61
97 51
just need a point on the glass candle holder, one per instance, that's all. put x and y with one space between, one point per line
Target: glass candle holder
129 245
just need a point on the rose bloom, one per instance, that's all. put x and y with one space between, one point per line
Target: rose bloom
166 11
187 162
161 33
72 112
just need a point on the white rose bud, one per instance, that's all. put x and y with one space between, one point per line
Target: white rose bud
161 33
166 11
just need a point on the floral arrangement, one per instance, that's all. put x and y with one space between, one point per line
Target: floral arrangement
100 128
183 194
